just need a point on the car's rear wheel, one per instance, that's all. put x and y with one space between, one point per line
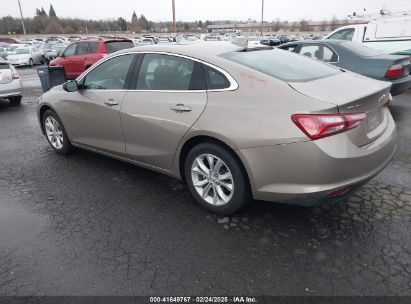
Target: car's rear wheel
15 100
216 179
55 133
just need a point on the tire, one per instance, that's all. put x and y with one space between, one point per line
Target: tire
31 63
53 128
217 183
15 100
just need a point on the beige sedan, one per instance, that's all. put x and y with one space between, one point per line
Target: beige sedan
235 123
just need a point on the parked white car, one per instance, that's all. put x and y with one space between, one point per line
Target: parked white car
386 34
10 83
26 56
11 48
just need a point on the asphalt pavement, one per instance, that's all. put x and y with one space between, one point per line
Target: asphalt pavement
85 224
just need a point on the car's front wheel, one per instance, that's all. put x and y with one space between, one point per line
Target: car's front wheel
216 179
55 133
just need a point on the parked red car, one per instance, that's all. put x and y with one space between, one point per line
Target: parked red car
81 55
10 40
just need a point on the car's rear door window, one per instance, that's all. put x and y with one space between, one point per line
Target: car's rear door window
92 47
170 73
286 66
114 46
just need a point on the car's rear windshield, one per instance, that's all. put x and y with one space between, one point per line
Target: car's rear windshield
283 65
114 46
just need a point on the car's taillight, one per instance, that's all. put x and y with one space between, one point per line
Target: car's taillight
317 126
14 74
396 70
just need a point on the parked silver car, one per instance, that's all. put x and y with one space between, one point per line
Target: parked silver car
10 83
235 123
26 56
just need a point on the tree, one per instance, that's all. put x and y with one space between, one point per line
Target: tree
304 26
134 17
43 12
122 24
324 26
52 12
334 23
134 23
200 24
143 23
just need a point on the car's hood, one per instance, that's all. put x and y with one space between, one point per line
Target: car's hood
343 89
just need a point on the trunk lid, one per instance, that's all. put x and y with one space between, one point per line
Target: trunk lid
5 73
353 93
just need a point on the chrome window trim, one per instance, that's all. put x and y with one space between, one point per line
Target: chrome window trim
233 83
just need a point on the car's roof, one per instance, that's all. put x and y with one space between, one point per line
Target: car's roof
200 50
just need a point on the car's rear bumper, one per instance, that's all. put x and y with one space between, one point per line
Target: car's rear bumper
400 86
12 88
308 173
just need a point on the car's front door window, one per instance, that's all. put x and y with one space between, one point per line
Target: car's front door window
70 50
110 75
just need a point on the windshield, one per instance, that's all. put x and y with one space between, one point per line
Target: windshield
282 64
47 46
12 48
118 45
60 48
22 51
360 49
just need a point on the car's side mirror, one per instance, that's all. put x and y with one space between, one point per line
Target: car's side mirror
71 86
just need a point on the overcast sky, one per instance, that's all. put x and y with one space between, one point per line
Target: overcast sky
190 10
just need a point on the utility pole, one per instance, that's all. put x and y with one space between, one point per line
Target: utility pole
262 16
174 29
22 19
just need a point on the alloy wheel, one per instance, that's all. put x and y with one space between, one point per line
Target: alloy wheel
212 179
54 132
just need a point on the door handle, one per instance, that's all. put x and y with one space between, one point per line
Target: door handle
181 108
111 102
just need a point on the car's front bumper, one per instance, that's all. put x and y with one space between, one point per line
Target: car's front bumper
400 86
308 173
12 88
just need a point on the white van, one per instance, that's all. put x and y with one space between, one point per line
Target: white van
387 34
